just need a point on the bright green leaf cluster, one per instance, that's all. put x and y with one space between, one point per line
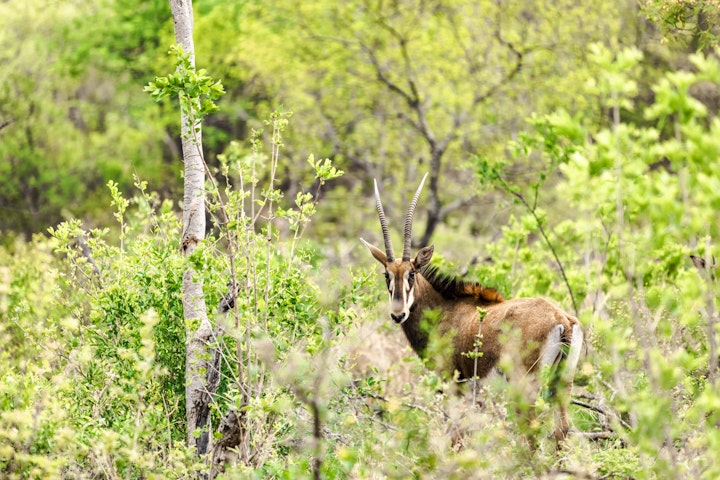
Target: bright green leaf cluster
324 169
195 89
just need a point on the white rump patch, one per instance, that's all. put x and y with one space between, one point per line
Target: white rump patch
576 345
551 351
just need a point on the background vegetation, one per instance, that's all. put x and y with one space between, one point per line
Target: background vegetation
573 152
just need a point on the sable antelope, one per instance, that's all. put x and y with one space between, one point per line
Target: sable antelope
532 332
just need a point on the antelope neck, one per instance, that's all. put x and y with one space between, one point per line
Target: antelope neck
426 298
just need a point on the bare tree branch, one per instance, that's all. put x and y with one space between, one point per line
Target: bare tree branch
401 80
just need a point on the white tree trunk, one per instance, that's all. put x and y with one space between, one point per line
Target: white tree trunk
198 328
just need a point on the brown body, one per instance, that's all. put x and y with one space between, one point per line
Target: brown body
529 332
458 305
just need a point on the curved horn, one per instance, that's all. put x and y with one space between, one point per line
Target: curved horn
409 220
384 225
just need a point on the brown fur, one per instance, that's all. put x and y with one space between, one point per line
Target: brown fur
532 318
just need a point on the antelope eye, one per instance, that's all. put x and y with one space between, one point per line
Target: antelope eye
411 275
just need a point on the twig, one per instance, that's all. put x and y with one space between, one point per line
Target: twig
533 212
383 399
572 473
601 411
597 435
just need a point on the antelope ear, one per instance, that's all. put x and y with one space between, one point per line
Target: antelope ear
376 252
423 256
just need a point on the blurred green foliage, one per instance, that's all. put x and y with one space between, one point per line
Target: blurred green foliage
83 120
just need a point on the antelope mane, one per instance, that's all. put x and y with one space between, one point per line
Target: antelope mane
454 288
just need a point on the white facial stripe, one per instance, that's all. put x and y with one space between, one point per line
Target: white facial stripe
409 291
410 299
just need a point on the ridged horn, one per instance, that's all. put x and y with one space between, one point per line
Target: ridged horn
384 225
409 220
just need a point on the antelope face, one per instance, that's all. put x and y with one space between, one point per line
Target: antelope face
400 279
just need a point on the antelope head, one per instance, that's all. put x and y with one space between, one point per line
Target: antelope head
400 273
